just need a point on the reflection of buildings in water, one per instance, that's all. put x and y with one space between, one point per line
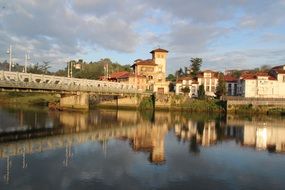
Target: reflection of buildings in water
68 155
145 136
151 138
76 120
264 137
205 137
209 134
261 132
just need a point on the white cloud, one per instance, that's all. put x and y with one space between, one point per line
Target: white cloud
54 30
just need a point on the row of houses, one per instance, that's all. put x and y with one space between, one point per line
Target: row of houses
150 75
269 84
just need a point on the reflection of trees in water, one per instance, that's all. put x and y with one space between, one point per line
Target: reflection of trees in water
148 115
29 118
193 146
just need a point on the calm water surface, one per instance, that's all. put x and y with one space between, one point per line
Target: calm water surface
109 149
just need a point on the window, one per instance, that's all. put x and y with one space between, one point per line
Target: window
207 88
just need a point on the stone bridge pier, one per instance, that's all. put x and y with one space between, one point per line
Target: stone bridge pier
74 101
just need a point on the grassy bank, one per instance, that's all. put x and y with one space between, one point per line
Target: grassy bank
18 98
256 109
203 105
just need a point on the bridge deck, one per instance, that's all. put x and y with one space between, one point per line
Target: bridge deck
35 82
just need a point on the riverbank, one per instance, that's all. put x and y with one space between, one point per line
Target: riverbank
168 102
36 99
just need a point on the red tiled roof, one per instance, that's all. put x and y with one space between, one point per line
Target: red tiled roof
137 60
262 74
230 78
252 76
248 76
159 50
201 74
279 67
280 71
145 62
193 80
180 79
185 78
209 71
120 75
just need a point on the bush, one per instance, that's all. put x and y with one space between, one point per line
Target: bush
147 103
203 105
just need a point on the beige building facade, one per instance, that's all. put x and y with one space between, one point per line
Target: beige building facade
207 78
263 85
154 70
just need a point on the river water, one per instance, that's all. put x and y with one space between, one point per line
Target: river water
110 149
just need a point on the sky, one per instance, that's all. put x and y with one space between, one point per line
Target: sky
226 34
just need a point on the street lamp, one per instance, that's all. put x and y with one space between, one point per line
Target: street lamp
9 51
27 57
70 65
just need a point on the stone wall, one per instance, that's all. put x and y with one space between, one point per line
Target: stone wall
117 101
255 105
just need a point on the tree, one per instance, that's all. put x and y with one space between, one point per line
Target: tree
179 73
265 68
221 87
171 87
201 92
171 78
35 69
44 67
195 66
185 89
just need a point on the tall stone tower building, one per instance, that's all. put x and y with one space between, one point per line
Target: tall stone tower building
154 70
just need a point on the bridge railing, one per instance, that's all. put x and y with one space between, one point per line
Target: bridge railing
16 80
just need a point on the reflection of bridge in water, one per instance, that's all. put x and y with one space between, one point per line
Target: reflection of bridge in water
75 128
143 136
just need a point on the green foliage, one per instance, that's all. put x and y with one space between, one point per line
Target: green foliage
94 70
39 68
171 87
147 103
171 78
185 89
202 105
195 66
179 73
19 98
221 87
201 92
276 111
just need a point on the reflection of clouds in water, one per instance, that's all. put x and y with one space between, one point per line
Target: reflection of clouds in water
119 167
